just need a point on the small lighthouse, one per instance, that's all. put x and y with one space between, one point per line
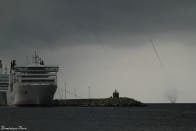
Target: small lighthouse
115 94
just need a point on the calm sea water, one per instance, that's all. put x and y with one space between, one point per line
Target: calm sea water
154 117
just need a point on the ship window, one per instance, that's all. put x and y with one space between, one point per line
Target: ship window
39 76
35 68
38 80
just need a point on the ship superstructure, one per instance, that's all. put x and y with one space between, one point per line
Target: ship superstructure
33 84
4 81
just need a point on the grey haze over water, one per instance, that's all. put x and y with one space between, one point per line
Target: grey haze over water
107 44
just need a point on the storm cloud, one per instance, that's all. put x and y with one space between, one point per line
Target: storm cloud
72 22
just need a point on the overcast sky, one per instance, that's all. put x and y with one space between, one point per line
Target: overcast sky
107 44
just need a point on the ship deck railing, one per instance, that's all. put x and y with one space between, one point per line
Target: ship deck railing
3 89
33 74
35 78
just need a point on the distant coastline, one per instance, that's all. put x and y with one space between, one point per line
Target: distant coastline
100 102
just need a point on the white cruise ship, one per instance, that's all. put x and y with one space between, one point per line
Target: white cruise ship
4 81
33 84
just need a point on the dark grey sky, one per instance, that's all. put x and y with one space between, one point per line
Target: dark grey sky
94 38
42 23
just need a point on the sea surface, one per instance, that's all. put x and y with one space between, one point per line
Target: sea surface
154 117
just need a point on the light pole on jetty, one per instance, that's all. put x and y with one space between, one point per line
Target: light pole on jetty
89 92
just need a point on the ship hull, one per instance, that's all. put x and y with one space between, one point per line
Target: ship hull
32 95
